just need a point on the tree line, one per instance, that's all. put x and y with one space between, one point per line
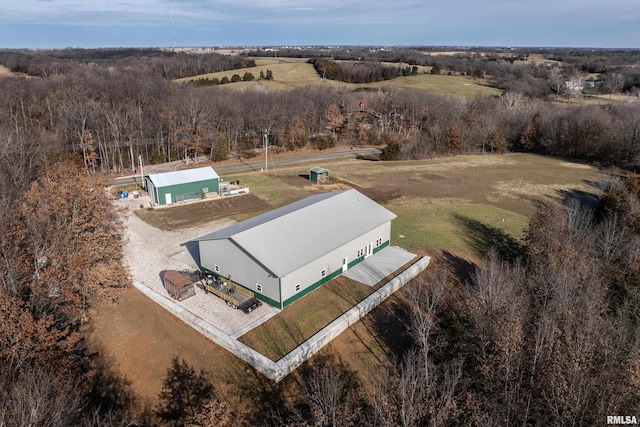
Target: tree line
543 331
359 72
246 77
161 62
111 116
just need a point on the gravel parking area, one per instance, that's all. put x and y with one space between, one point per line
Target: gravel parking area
149 251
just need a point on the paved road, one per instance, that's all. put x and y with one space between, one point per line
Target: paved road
254 165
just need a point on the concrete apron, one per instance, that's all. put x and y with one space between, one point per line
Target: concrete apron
276 371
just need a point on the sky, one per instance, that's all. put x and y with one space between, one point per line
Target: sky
44 24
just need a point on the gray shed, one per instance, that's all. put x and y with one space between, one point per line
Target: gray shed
318 174
286 253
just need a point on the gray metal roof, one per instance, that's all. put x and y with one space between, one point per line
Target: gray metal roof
182 176
290 237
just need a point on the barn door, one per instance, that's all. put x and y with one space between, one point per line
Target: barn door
167 199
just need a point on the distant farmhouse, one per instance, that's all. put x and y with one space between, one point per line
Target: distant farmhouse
286 253
189 184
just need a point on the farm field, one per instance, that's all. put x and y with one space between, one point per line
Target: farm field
459 205
296 72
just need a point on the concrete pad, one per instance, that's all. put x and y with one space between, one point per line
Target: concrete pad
379 265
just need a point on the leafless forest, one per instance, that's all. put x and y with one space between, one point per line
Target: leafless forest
542 332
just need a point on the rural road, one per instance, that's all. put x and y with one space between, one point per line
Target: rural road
253 165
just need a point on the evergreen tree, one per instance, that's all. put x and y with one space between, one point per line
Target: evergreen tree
498 142
391 150
454 141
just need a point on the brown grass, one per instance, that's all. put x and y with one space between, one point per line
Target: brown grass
429 196
202 212
4 71
296 72
301 320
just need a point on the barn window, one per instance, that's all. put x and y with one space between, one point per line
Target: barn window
378 242
323 273
298 287
216 268
258 287
205 190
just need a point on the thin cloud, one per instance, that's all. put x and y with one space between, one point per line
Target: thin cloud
557 22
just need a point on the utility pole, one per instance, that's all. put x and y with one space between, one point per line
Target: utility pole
266 148
141 174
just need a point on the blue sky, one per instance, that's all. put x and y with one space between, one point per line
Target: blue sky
152 23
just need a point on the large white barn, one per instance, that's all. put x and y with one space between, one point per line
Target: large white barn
286 253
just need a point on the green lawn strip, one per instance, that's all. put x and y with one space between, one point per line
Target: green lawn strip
298 322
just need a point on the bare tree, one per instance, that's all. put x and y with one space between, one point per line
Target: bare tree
326 391
41 398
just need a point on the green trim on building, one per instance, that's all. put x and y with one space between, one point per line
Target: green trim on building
316 285
354 262
312 287
381 247
268 300
360 259
258 295
206 270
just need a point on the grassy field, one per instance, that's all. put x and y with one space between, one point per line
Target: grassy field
436 200
296 72
463 205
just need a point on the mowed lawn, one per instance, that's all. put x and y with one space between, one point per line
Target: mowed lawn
290 73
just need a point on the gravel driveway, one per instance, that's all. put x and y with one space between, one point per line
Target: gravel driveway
149 251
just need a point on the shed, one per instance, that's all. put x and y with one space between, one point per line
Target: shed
178 286
318 174
177 186
286 253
